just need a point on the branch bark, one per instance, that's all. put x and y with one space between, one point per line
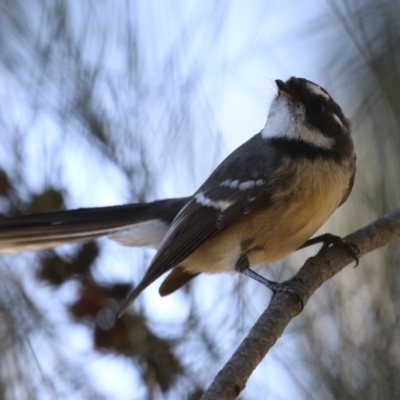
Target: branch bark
231 380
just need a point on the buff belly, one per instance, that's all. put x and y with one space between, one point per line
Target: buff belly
277 231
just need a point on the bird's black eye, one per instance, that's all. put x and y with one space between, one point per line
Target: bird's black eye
319 106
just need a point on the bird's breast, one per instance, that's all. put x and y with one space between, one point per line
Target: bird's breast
295 212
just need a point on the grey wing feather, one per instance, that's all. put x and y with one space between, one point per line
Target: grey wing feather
199 221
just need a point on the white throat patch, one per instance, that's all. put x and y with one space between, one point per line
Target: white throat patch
289 122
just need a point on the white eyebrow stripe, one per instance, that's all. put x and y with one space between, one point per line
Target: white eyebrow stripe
235 184
217 204
337 119
317 90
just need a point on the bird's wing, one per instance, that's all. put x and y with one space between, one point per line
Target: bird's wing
243 183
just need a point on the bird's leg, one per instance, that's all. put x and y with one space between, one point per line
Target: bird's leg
328 239
243 266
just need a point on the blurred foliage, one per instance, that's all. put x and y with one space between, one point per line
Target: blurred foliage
92 104
49 200
105 103
5 185
56 270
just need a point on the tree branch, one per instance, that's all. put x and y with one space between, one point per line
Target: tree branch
231 380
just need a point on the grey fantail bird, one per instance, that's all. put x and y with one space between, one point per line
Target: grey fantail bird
264 201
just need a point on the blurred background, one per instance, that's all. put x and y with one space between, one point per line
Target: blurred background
110 102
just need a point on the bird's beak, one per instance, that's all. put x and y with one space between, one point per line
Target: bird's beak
283 90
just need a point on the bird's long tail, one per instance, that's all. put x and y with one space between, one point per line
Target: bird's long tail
142 224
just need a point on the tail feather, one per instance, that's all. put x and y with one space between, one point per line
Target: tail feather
41 231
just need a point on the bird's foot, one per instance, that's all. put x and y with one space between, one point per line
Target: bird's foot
328 239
